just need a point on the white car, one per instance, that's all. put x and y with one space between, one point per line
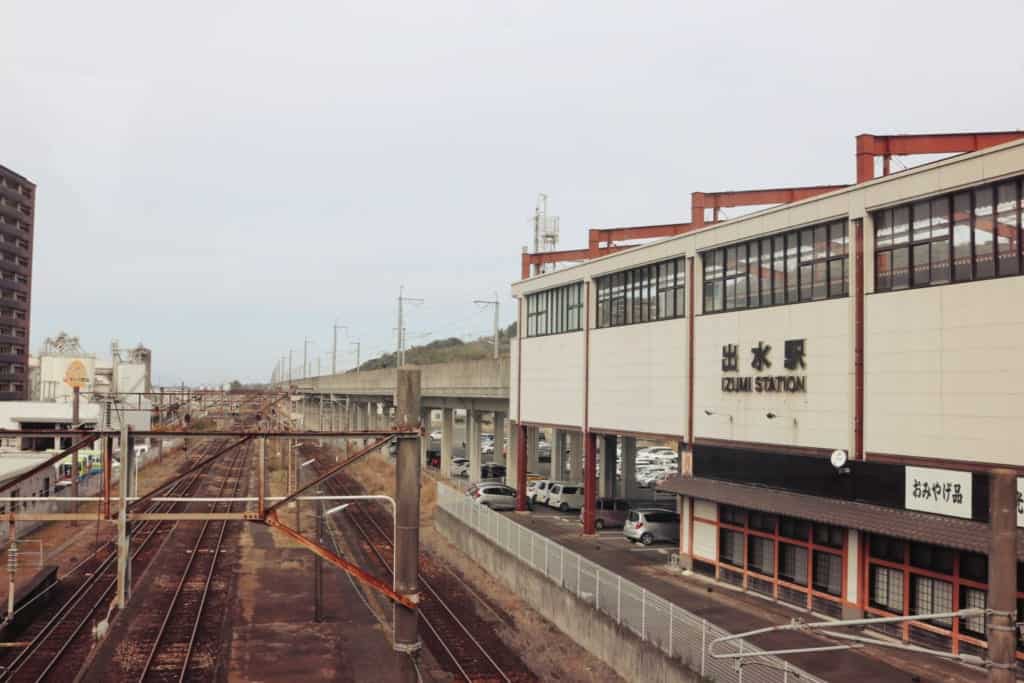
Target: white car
494 496
537 491
652 477
565 497
460 467
435 435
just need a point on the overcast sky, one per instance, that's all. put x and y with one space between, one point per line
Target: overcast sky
219 180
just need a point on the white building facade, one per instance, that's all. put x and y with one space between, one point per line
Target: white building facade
880 320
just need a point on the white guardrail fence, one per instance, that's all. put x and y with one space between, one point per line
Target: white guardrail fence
677 632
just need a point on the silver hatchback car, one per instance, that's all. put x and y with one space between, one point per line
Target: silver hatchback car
648 525
494 496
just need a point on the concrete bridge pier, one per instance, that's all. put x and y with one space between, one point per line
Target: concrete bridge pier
473 443
499 438
447 440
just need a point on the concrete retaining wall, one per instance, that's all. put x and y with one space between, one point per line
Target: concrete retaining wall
629 656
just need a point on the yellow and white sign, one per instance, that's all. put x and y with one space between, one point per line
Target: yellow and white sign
76 375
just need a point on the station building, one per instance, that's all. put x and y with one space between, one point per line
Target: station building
882 320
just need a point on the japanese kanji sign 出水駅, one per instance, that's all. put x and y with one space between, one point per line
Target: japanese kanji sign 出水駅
761 361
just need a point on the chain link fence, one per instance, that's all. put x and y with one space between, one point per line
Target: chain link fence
675 631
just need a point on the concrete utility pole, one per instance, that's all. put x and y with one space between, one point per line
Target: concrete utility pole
407 495
76 398
305 357
290 351
1002 575
496 305
356 344
400 354
334 353
124 567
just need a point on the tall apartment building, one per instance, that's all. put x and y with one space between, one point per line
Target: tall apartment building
17 225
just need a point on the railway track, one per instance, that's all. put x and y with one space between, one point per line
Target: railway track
458 638
62 637
174 643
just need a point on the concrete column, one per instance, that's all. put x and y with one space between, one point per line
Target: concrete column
558 455
407 522
425 439
685 542
499 438
608 452
447 440
473 444
575 456
629 487
1002 574
532 463
512 462
589 482
521 459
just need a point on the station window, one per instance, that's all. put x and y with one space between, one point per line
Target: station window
887 589
640 295
908 579
793 564
968 235
555 311
809 264
791 560
730 547
828 573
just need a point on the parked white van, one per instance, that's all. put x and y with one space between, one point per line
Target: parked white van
565 497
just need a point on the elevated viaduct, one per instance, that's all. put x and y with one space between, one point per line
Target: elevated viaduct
364 400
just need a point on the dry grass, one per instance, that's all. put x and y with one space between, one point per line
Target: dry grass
377 475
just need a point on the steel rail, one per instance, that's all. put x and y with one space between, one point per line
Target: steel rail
437 599
234 474
79 595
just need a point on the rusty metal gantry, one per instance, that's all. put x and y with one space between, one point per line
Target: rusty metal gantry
124 508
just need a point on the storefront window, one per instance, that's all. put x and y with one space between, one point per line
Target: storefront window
793 564
826 534
886 548
928 596
730 547
973 598
731 515
828 573
761 555
887 589
932 557
796 529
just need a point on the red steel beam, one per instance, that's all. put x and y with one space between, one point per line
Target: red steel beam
410 601
610 235
601 241
543 257
700 201
870 146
